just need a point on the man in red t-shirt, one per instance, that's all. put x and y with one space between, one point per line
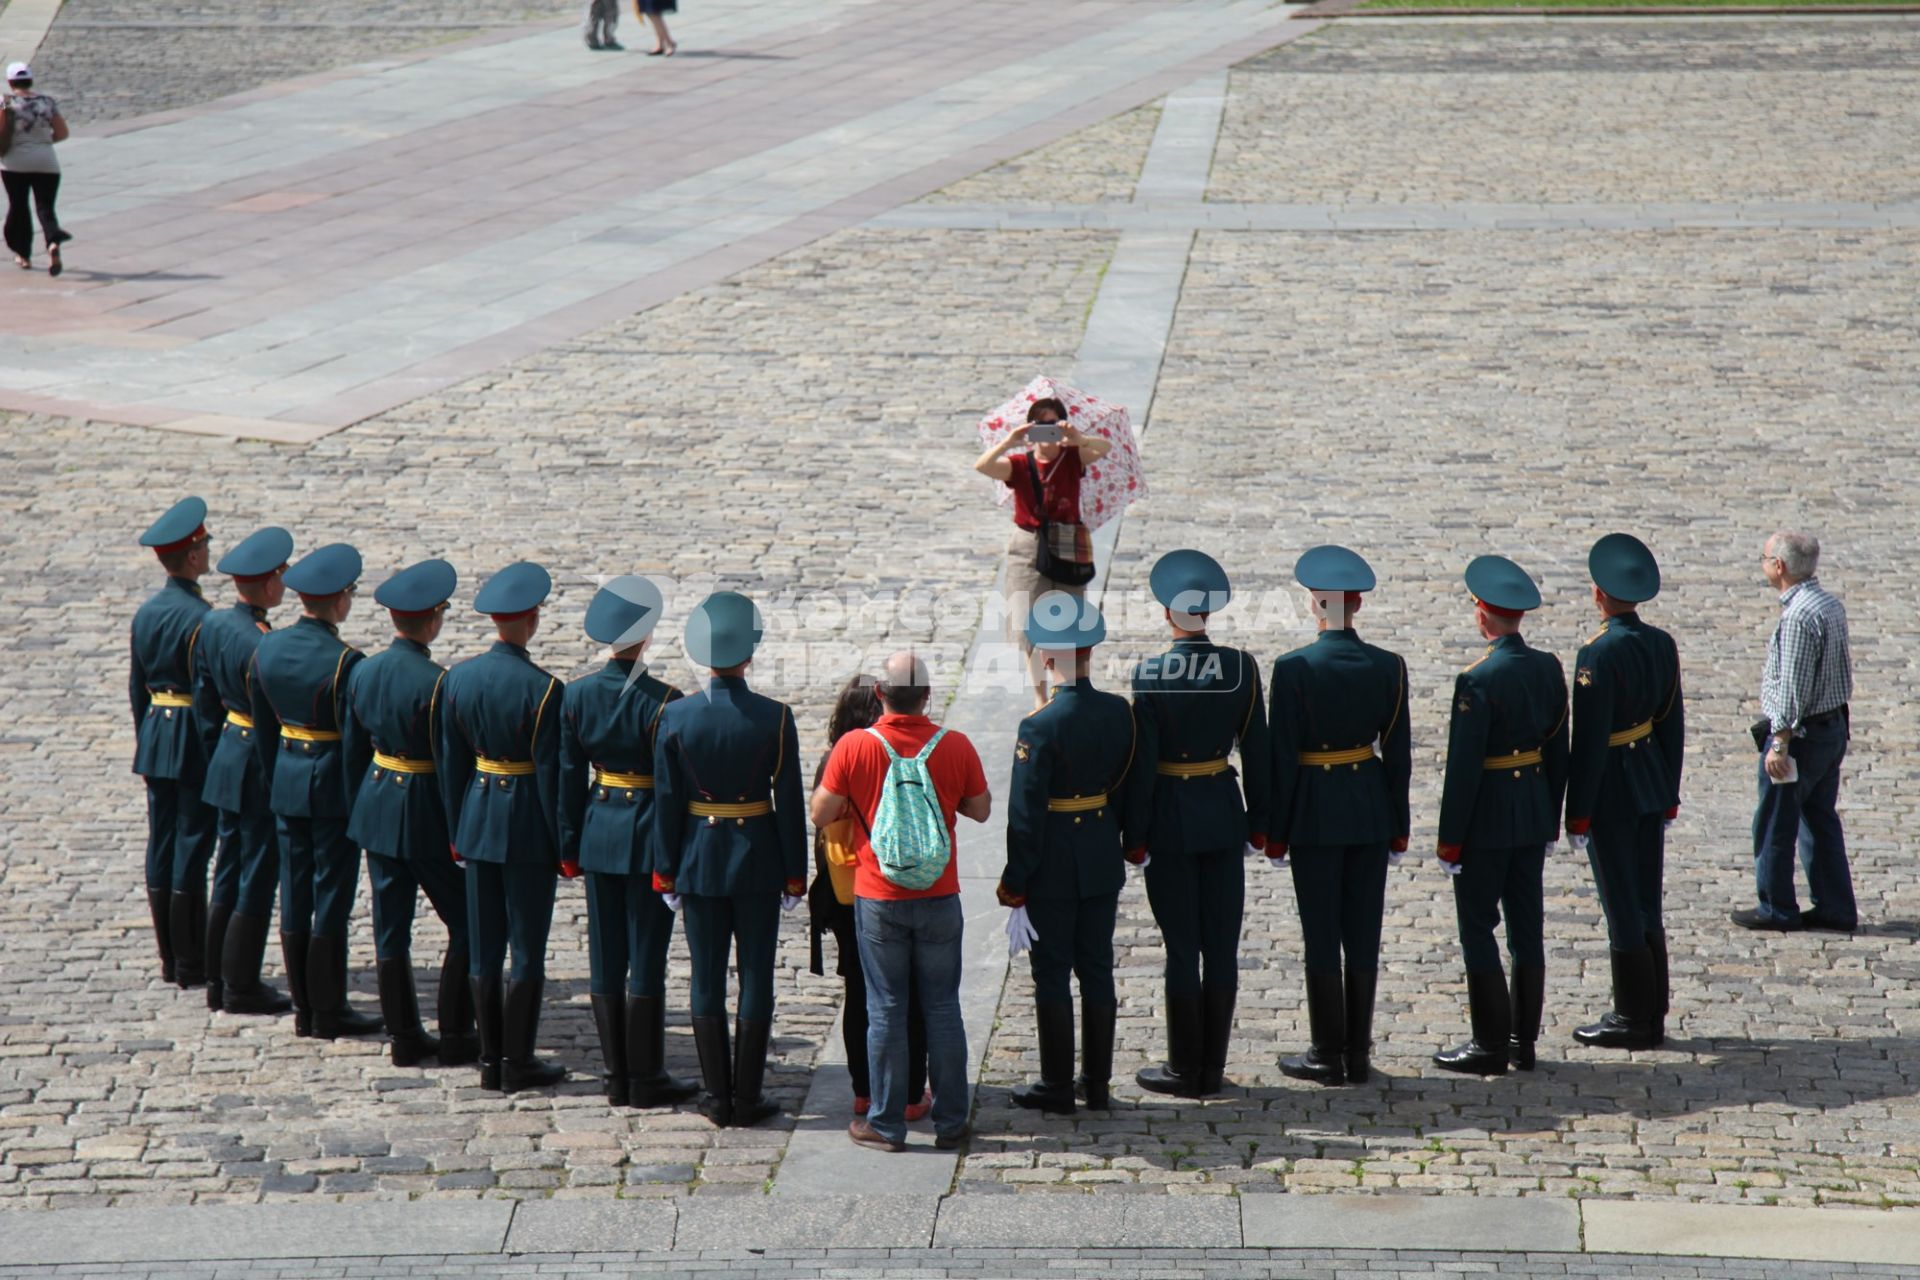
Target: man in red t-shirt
907 935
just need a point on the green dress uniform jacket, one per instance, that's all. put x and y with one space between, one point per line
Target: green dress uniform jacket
223 669
299 678
392 708
608 723
1077 747
1339 693
1192 705
1627 676
1511 703
170 741
500 707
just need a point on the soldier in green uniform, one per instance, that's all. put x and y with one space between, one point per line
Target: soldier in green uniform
607 724
1623 783
1500 816
240 909
498 759
1192 705
1073 775
297 685
1342 763
397 815
730 847
170 741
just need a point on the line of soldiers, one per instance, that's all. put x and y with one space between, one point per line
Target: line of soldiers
288 752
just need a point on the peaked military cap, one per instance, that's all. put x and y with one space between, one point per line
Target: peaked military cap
184 521
1059 620
1501 585
1333 569
724 630
258 554
334 567
517 588
418 588
625 611
1190 582
1622 567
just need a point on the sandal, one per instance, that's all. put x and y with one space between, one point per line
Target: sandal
53 267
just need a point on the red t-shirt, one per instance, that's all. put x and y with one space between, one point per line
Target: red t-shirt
857 770
1060 483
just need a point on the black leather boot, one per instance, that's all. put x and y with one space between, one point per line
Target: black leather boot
214 952
293 953
243 950
1629 1025
1216 1016
160 908
519 1030
1096 1054
458 1044
188 928
648 1084
1180 1076
1053 1093
400 1007
1492 1019
1529 997
609 1019
1661 994
750 1104
1360 987
716 1069
333 1017
488 1014
1325 1059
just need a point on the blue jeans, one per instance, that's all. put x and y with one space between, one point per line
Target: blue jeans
916 941
1803 814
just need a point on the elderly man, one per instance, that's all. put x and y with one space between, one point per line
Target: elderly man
1803 696
909 917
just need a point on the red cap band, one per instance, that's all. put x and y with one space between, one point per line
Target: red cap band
183 544
1498 612
514 617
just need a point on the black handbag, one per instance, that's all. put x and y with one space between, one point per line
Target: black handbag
1063 553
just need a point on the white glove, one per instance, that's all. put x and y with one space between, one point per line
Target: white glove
1577 843
1278 861
788 901
1020 933
672 900
1451 868
1142 864
1394 856
1250 851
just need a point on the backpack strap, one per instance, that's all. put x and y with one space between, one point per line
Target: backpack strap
893 756
927 751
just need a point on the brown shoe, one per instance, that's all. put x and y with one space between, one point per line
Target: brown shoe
863 1133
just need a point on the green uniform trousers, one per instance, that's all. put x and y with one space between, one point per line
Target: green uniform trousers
1197 900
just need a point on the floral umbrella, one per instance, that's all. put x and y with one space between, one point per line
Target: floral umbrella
1109 484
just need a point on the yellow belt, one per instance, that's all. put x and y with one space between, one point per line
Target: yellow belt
1328 759
400 764
1517 760
300 733
623 781
505 768
1634 734
239 720
1198 769
1077 804
168 698
716 809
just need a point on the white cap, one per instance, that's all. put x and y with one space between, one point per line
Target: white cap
19 71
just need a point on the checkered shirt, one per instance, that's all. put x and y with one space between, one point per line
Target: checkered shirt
1809 669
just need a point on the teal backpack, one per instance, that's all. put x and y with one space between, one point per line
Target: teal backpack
909 834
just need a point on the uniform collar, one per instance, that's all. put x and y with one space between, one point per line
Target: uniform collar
1794 590
308 620
410 646
1080 685
186 584
1197 637
507 647
732 684
253 611
1513 643
623 665
1345 635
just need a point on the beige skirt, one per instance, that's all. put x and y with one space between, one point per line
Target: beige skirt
1025 584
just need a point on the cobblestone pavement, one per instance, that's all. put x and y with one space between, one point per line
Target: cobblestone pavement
1424 396
992 1264
1093 166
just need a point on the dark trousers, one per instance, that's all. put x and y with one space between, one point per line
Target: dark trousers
747 924
1341 891
27 194
1492 879
1073 939
1197 901
397 883
628 929
1628 855
319 871
1802 815
248 867
181 832
509 904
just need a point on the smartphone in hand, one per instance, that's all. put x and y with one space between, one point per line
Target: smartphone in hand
1045 433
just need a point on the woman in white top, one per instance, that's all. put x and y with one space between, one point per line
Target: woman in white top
29 168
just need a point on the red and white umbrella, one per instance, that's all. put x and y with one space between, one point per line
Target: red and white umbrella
1109 484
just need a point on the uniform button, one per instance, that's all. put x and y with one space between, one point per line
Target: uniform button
603 793
629 795
739 822
1076 822
503 784
1516 773
169 713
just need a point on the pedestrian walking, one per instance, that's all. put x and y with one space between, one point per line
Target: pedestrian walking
1506 776
1623 784
1804 690
30 125
1342 764
904 781
654 14
602 17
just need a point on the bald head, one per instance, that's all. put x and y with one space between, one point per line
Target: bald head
904 684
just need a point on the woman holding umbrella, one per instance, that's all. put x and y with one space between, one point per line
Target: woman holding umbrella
1045 484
